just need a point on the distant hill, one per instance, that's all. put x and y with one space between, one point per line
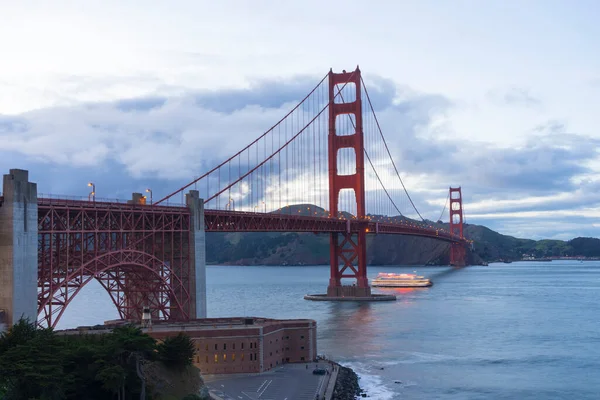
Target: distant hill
311 249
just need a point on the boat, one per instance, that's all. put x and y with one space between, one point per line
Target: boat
400 280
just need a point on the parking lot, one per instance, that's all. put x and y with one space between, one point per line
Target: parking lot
288 382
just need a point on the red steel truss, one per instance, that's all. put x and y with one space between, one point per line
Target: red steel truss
457 249
139 254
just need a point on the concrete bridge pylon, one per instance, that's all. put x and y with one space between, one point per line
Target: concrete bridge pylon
18 248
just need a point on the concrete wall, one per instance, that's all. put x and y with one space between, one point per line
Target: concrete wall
198 254
18 247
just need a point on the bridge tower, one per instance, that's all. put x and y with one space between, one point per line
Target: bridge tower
458 252
348 249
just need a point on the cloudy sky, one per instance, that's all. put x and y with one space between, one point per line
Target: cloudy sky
500 97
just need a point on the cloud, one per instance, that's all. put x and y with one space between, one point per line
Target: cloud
272 94
144 104
164 141
514 96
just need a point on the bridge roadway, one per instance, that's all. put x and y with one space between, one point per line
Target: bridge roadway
241 221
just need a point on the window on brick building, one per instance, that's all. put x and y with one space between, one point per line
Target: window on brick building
233 357
301 347
234 346
271 353
242 356
242 345
216 347
216 358
207 359
224 357
301 358
302 337
224 346
206 347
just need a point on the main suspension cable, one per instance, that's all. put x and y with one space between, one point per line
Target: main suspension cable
445 205
285 145
245 148
369 159
388 150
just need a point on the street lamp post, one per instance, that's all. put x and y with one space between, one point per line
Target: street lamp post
149 191
232 204
265 206
92 195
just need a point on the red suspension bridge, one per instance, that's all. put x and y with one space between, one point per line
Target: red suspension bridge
325 167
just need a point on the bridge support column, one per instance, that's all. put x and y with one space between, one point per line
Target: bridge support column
458 255
458 252
197 255
350 249
18 248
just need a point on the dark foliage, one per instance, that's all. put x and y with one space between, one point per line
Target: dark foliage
586 247
176 351
39 364
192 397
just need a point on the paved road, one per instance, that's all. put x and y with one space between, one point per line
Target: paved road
289 382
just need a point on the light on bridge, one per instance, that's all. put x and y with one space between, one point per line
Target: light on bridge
92 195
149 191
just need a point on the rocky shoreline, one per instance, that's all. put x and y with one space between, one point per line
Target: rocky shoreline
346 385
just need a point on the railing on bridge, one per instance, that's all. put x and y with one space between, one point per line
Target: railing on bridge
82 201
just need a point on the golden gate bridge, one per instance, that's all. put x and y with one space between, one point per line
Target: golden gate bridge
325 168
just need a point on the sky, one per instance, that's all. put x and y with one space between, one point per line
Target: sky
498 97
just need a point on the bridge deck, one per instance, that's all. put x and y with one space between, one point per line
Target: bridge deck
240 221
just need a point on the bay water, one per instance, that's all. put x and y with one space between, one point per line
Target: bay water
525 330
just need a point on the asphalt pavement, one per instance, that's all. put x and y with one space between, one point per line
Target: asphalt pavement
288 382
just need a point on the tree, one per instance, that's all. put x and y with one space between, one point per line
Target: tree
38 364
130 346
32 367
112 378
192 397
19 333
176 351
